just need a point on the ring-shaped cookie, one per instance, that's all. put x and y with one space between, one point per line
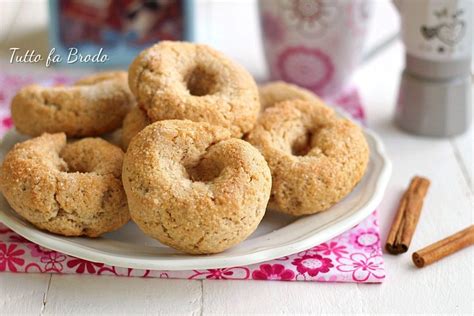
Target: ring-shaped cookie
92 106
68 189
316 158
178 80
279 91
134 122
192 187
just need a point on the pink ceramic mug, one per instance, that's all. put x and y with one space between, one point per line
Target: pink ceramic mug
316 44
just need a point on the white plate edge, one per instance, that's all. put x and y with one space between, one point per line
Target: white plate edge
218 262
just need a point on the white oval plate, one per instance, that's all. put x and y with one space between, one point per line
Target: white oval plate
278 235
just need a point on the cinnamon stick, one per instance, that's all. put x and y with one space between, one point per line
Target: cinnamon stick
408 213
444 247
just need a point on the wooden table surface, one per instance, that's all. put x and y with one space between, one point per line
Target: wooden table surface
445 287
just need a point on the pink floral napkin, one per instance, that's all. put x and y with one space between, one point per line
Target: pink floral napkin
354 256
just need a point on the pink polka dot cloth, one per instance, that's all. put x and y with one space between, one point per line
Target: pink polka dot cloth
354 256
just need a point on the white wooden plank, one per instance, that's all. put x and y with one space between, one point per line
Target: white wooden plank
463 146
94 295
22 293
274 297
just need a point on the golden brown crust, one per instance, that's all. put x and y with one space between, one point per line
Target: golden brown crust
178 80
134 122
315 157
279 91
68 189
194 188
92 106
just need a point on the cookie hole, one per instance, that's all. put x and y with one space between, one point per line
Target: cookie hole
201 81
84 157
301 146
107 198
72 166
205 171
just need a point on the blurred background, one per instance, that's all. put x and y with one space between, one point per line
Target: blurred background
317 44
231 26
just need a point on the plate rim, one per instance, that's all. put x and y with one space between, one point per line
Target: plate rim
68 247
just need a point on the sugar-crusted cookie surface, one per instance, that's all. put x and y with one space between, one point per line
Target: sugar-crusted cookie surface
315 157
92 106
69 189
278 91
134 122
193 187
178 80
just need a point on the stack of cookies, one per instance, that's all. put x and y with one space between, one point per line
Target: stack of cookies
204 151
